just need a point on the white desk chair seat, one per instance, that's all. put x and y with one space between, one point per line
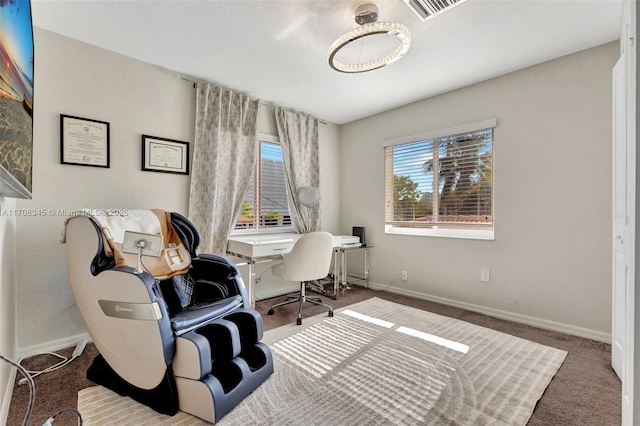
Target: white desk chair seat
310 259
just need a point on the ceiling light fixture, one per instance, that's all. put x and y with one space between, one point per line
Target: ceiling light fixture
367 17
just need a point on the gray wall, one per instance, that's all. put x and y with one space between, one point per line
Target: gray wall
550 261
8 346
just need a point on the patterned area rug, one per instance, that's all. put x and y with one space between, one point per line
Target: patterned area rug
375 362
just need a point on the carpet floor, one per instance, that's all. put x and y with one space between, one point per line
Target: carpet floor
585 391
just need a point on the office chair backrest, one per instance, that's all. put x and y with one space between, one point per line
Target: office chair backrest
310 258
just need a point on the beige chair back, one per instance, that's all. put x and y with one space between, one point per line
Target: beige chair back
310 258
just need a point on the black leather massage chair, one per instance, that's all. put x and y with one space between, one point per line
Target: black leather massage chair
189 343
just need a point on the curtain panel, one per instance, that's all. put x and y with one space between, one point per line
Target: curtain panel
298 134
224 155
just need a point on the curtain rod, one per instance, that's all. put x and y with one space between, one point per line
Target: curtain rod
179 77
195 84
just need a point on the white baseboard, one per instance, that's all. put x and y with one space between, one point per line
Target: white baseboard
6 400
505 315
53 345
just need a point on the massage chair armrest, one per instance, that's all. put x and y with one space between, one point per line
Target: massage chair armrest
146 280
208 270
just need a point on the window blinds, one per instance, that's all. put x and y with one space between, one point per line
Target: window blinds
265 202
444 180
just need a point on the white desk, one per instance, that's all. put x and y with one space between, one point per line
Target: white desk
268 247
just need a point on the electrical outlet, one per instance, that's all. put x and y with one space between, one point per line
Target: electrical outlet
405 276
485 275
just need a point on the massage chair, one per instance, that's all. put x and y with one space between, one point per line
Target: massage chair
189 343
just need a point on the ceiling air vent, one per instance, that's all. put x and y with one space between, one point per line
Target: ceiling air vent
427 9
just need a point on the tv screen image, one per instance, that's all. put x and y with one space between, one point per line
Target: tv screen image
16 98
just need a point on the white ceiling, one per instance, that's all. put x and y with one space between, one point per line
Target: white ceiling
276 50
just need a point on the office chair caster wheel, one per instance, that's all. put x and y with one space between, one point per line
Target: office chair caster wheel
299 321
330 313
271 312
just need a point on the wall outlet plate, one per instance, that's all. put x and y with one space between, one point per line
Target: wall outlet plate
485 275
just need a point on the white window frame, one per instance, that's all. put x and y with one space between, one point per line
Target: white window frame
440 232
264 230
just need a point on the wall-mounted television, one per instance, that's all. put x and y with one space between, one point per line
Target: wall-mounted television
16 98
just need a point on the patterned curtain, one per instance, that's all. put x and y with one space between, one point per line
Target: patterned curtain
298 135
224 155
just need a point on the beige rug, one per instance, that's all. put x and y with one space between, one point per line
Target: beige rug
375 363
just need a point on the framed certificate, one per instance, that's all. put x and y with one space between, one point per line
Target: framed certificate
84 142
165 155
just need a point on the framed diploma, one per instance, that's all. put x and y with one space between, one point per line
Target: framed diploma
165 155
84 142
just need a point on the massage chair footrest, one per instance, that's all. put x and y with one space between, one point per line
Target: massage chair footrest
215 342
229 383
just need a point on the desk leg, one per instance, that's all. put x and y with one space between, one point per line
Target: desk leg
344 268
336 274
251 284
366 268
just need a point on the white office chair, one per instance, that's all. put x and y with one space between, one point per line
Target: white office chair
310 259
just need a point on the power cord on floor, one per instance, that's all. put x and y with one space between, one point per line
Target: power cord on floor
50 420
32 387
28 379
35 373
64 361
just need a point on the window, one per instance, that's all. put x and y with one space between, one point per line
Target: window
265 204
441 183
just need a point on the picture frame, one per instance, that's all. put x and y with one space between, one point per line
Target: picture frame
165 155
16 101
84 142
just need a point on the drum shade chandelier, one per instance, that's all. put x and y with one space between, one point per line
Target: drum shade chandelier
367 19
